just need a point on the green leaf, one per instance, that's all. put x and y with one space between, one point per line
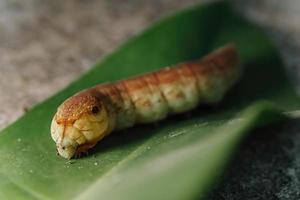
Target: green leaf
178 158
185 172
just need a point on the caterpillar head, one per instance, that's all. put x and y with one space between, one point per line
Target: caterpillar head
80 122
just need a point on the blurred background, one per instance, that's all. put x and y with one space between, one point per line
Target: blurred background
45 44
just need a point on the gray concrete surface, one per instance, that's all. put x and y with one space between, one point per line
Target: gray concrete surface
45 44
266 166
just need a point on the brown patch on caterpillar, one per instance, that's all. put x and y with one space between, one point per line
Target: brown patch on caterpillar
184 71
136 88
151 80
220 61
179 95
111 92
167 76
152 84
134 84
124 92
201 68
175 94
77 105
160 90
143 103
224 58
126 117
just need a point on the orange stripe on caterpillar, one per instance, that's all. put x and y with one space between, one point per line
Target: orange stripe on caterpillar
90 115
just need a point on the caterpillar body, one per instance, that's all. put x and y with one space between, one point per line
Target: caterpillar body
90 115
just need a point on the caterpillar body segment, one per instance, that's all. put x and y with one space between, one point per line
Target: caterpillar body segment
88 116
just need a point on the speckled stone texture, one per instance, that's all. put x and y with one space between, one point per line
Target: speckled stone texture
266 166
45 44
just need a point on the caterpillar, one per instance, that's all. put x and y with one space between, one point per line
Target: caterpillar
84 119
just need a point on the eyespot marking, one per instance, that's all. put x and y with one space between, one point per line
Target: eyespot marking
95 109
